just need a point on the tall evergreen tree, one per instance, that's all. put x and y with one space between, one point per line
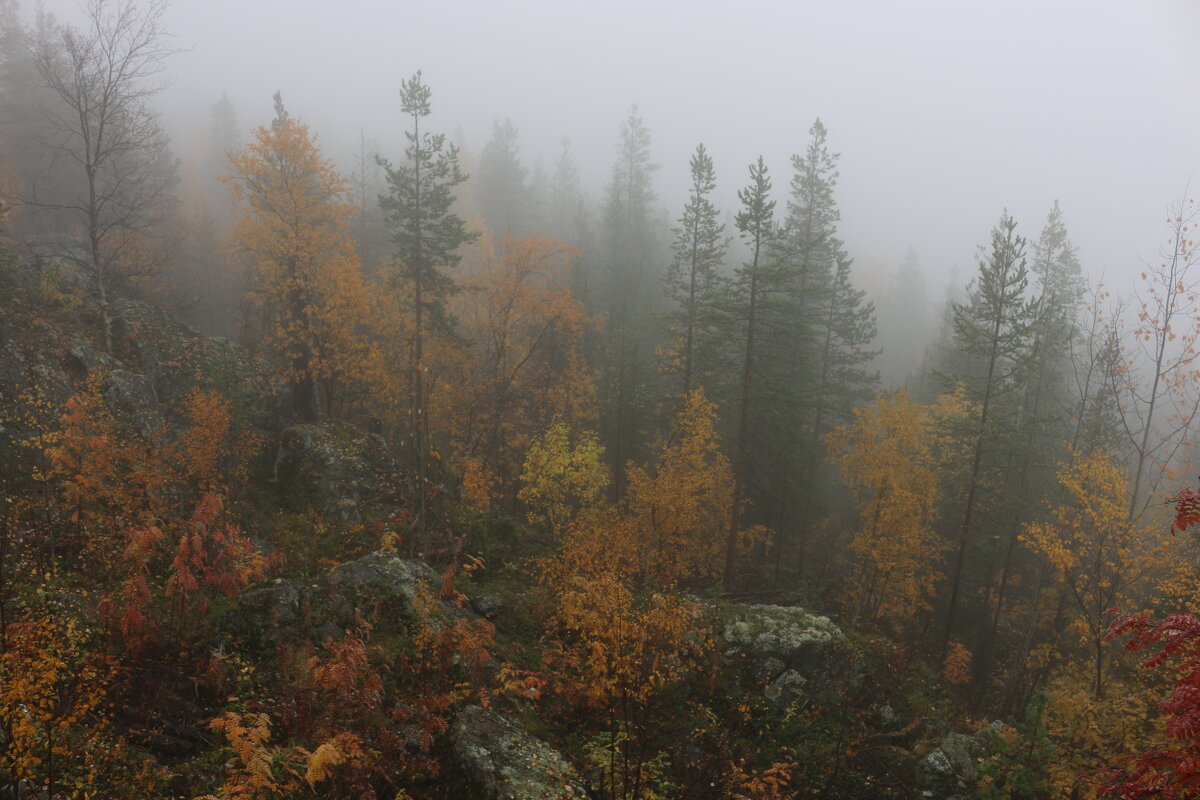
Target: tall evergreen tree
565 195
502 193
1040 420
630 256
753 285
831 331
224 137
699 251
426 234
992 326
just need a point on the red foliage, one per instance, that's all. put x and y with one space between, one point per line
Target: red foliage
1170 773
1187 510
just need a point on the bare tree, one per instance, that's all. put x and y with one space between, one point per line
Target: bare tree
105 131
1159 387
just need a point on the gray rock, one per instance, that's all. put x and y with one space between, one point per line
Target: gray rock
131 397
790 636
987 735
962 751
274 604
889 720
506 763
336 467
89 359
489 606
936 778
394 584
791 651
331 632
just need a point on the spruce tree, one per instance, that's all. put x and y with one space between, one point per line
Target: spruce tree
830 334
503 195
630 249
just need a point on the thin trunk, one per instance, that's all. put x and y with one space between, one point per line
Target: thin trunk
972 485
740 466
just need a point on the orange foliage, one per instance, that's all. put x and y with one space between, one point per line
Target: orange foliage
888 460
212 553
682 512
525 366
956 667
324 319
53 707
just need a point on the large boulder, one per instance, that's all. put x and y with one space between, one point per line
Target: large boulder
950 771
337 467
936 778
506 763
790 651
397 586
274 603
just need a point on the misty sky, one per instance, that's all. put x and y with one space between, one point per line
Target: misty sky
944 112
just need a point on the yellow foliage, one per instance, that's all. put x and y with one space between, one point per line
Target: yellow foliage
564 471
888 459
681 512
524 367
1093 734
1100 557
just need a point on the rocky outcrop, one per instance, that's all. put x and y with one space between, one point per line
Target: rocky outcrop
506 763
951 770
337 467
175 360
790 651
394 585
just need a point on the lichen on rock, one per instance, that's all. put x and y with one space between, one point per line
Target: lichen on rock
507 763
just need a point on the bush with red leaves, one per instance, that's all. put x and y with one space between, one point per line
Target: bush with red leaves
1170 773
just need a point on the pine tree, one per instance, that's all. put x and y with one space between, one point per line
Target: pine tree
992 326
699 251
426 234
1040 417
753 286
565 196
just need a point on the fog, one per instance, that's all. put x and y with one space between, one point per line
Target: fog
944 112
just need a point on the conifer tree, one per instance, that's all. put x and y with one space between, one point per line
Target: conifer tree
426 235
630 255
503 194
699 250
992 326
753 286
830 334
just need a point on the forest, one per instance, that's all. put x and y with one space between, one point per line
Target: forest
422 471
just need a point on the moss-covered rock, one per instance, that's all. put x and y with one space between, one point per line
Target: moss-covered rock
338 468
506 763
